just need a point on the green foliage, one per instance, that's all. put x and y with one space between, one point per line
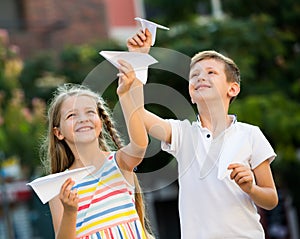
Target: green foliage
78 61
172 11
257 46
21 124
272 111
285 13
10 67
34 70
261 36
23 128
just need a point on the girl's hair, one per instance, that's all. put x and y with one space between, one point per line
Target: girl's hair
231 69
56 154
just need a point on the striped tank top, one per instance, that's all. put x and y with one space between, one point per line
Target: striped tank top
106 207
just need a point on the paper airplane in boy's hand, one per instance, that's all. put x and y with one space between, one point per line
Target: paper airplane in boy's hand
138 61
49 186
152 26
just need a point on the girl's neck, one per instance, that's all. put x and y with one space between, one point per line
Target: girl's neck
86 155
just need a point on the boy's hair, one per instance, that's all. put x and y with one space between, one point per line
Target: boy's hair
232 71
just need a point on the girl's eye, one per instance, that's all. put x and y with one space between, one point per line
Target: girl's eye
71 115
211 72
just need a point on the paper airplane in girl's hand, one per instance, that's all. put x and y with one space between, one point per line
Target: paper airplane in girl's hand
138 61
49 186
152 26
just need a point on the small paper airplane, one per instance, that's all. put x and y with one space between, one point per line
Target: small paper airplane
152 26
49 186
139 61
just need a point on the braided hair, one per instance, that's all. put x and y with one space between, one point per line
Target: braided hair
56 154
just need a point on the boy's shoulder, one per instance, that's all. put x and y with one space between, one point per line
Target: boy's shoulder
246 125
247 129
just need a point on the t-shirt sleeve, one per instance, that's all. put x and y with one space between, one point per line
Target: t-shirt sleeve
261 148
173 147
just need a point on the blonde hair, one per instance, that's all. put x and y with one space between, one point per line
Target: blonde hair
232 71
56 154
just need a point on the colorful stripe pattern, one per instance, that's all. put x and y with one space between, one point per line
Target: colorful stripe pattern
106 205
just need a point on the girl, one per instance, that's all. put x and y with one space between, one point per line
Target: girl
108 202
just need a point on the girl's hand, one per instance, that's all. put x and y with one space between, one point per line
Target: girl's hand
242 175
126 77
69 197
140 42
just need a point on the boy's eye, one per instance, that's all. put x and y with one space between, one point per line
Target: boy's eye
194 75
92 112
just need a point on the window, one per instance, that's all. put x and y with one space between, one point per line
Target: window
12 14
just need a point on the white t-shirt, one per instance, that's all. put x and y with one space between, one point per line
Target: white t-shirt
211 205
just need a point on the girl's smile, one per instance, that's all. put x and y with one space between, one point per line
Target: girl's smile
79 121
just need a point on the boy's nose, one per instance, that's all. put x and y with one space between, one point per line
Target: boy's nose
201 77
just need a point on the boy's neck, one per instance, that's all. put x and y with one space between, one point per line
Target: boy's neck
215 119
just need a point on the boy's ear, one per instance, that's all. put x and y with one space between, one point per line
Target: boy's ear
192 100
234 89
57 133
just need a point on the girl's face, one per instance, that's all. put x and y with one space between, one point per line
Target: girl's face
79 121
207 81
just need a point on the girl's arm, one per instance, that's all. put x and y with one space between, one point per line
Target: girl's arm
131 100
263 193
64 212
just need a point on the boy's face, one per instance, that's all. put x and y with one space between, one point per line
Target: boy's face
208 82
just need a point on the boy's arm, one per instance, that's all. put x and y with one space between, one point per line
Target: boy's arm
263 192
140 42
156 126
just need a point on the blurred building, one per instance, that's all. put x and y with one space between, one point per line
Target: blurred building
51 24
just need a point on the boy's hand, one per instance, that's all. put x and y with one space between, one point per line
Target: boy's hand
140 42
126 77
69 197
242 175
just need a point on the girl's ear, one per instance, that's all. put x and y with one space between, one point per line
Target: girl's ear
57 133
234 89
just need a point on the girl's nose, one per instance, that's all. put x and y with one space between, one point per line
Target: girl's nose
83 118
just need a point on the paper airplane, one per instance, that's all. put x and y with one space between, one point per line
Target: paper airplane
49 186
241 150
139 61
152 26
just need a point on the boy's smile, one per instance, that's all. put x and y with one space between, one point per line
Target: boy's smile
208 82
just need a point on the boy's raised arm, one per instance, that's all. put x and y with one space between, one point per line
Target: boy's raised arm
140 42
155 125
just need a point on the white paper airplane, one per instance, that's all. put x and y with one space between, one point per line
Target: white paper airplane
241 150
139 61
152 26
49 186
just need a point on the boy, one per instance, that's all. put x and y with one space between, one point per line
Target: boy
224 165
